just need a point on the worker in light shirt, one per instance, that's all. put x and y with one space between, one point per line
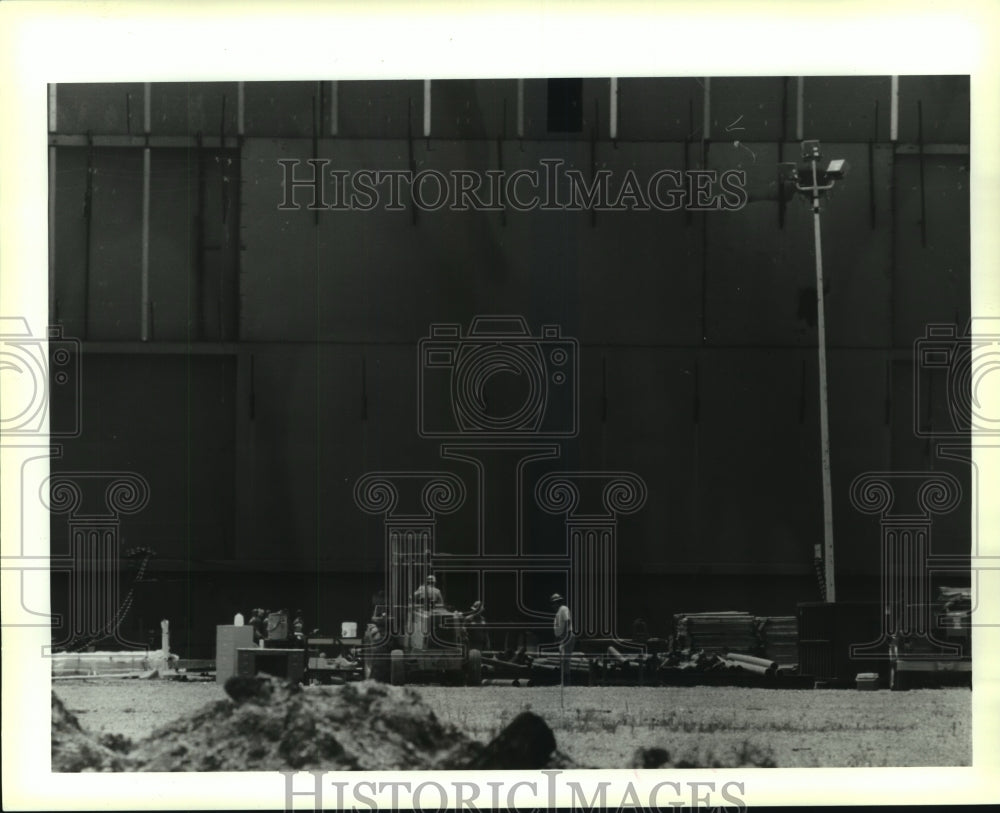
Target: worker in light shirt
562 625
428 595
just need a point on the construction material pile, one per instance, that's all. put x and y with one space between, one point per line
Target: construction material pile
955 600
698 666
779 637
75 750
271 725
715 633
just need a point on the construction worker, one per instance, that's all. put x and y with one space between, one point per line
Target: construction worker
562 625
476 627
259 623
428 595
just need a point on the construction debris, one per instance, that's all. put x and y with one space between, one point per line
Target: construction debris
760 666
111 664
730 631
779 637
268 724
74 750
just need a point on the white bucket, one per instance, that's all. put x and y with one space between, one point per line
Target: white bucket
348 629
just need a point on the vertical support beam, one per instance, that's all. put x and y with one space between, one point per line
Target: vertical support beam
800 113
894 110
334 107
145 244
53 309
240 102
53 109
199 246
923 198
316 129
427 108
593 160
88 221
871 167
53 123
411 160
613 115
704 254
781 145
706 113
146 171
520 108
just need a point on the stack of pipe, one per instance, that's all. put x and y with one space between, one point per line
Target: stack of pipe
750 663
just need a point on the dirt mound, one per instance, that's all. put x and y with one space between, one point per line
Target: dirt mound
269 725
74 750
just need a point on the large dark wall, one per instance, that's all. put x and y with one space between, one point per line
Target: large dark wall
283 362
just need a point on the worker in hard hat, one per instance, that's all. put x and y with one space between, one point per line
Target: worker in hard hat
428 595
562 625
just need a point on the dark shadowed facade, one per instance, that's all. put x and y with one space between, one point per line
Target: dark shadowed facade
253 362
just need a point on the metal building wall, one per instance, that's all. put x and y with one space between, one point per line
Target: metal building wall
697 331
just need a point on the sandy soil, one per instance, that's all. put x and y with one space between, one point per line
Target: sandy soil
603 726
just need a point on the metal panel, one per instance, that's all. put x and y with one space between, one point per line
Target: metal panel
638 413
70 226
186 453
758 477
638 272
473 108
749 108
105 108
755 271
116 245
379 109
843 108
185 108
760 284
280 264
173 245
660 109
931 281
944 101
280 109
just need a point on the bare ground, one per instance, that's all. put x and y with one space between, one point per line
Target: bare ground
602 727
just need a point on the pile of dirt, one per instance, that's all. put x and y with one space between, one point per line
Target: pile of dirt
271 725
74 750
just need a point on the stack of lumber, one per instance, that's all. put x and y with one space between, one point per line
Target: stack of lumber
779 636
720 632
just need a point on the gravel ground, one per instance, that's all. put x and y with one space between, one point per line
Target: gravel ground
602 727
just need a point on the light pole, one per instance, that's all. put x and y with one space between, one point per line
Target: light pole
820 181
